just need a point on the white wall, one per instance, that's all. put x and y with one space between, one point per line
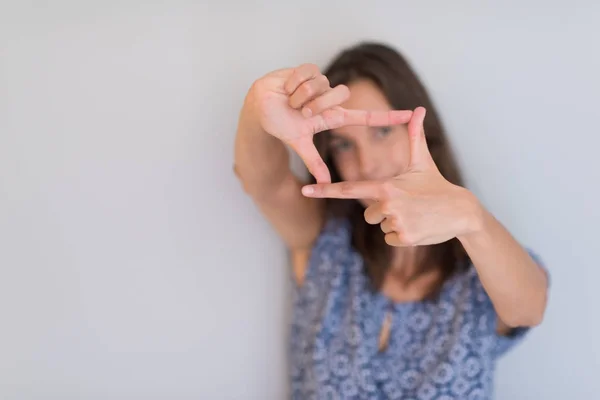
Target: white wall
131 264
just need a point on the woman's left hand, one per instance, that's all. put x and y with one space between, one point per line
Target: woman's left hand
418 207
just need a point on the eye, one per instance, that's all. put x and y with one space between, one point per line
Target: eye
383 131
340 145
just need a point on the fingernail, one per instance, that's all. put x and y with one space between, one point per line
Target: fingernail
308 190
307 112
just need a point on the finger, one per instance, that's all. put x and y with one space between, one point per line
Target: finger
388 225
309 90
305 148
300 75
374 118
345 190
374 214
393 239
419 152
329 99
398 239
283 73
338 117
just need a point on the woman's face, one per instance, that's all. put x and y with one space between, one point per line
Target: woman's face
369 153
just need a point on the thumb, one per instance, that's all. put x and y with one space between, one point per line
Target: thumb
307 151
419 152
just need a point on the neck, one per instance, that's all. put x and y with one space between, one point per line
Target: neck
404 263
400 283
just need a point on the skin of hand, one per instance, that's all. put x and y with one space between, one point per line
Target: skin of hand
293 104
420 207
417 207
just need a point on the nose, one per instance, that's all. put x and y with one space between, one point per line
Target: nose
368 163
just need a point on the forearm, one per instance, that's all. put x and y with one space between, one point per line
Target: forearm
261 161
516 285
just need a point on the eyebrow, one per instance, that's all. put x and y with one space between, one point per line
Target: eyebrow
341 135
333 135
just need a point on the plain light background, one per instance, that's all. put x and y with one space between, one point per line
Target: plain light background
132 266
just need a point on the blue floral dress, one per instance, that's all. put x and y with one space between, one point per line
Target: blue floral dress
442 349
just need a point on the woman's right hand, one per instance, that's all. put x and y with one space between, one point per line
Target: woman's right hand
294 104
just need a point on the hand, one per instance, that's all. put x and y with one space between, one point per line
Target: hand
296 103
418 207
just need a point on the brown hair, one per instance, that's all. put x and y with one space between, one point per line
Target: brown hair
392 74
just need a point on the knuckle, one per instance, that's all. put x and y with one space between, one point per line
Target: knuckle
262 104
307 69
346 188
385 207
312 67
394 223
406 238
315 106
266 96
368 117
307 89
258 86
319 105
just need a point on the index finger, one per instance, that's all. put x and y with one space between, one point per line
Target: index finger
309 154
345 190
376 118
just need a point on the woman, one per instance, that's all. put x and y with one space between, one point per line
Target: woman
406 287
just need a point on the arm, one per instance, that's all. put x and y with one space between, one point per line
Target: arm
293 105
290 106
262 166
516 285
420 207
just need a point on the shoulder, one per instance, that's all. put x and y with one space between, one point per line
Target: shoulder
334 236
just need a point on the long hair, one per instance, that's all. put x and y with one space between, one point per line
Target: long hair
392 74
